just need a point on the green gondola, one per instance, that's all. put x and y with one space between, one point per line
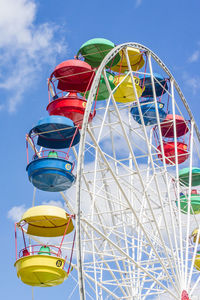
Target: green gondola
195 204
102 91
95 50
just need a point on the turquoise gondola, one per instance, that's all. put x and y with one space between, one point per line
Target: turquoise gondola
184 176
148 112
56 132
51 174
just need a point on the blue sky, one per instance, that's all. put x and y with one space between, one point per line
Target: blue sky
35 36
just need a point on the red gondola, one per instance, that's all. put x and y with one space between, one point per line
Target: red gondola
71 106
169 152
167 126
73 76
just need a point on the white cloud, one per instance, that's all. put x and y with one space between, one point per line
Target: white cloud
194 57
192 82
138 3
16 212
24 48
54 203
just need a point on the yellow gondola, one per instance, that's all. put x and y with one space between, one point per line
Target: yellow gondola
46 221
125 93
197 261
135 57
41 265
41 270
194 236
197 257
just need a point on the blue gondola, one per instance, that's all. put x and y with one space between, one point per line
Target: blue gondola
148 112
51 174
56 132
146 81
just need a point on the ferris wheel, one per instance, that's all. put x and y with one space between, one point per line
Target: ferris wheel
136 182
129 179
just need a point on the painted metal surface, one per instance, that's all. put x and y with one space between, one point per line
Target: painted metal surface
194 203
102 92
47 221
124 93
72 107
184 176
148 112
41 270
159 82
73 76
135 57
56 132
167 127
169 152
51 174
95 50
197 262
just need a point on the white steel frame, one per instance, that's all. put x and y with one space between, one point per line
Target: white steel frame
160 232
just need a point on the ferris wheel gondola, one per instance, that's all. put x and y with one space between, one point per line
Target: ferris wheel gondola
38 264
52 170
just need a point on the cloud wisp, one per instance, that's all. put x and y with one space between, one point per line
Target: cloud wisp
192 82
194 57
24 49
16 212
138 3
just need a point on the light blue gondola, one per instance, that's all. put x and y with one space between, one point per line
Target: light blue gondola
51 174
148 112
56 132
